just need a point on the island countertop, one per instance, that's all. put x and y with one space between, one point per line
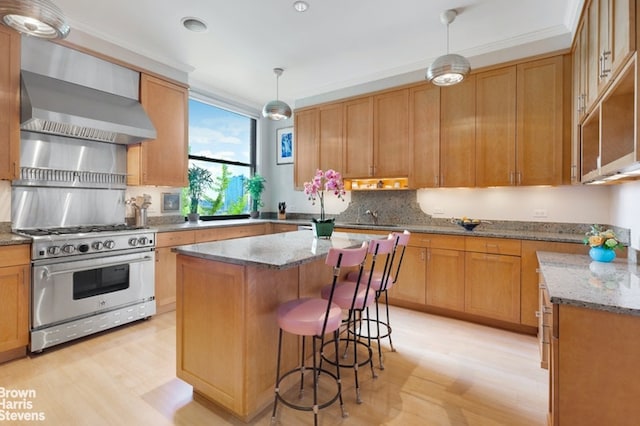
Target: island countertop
577 280
273 251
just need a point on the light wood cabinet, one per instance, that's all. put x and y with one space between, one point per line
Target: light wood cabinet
540 112
330 127
424 136
391 134
458 134
14 294
306 154
164 160
610 41
445 279
165 280
358 137
9 104
276 228
496 127
410 286
603 345
579 98
529 297
318 141
492 278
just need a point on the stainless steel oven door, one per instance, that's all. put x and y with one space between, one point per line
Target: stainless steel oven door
72 289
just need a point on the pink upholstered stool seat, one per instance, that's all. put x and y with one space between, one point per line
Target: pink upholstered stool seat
315 318
305 317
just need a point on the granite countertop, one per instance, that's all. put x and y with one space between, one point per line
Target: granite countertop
427 229
274 251
9 239
577 280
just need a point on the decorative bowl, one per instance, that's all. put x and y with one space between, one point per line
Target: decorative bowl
468 224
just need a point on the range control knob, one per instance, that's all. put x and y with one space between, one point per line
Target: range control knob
68 249
109 244
97 245
133 242
143 241
83 248
53 250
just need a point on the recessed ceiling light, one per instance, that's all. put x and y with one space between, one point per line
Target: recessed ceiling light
300 6
196 25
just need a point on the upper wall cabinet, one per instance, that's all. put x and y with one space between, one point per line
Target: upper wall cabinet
610 39
318 141
9 103
164 160
540 123
391 134
424 136
307 148
458 134
496 127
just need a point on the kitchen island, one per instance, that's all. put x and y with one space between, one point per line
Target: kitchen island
227 295
594 351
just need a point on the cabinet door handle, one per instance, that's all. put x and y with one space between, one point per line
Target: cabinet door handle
511 178
538 314
435 180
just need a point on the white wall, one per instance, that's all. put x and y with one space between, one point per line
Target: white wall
625 209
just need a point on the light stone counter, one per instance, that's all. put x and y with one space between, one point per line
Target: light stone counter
274 251
577 280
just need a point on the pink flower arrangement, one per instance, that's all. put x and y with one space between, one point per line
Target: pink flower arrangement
330 181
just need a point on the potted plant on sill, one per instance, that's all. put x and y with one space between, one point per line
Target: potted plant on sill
330 181
255 186
200 180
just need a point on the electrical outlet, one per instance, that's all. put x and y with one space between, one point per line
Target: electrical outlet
438 210
540 213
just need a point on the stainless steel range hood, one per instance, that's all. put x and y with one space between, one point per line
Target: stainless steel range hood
58 107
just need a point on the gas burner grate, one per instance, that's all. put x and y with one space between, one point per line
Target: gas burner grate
82 229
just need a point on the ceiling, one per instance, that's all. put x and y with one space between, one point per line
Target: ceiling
335 44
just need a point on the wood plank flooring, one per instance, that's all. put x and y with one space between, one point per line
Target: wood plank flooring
445 372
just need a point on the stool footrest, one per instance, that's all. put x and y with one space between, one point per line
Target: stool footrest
310 407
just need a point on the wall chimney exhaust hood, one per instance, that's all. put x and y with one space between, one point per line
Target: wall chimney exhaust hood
53 106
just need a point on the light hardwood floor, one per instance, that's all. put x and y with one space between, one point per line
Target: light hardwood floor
445 372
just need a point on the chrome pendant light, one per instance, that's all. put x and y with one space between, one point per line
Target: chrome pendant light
276 110
449 69
38 18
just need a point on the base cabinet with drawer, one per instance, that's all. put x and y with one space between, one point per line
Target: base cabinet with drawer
165 281
14 296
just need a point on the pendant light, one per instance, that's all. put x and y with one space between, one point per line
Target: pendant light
38 18
449 69
276 110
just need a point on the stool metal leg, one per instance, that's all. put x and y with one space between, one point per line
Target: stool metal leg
336 341
277 388
386 302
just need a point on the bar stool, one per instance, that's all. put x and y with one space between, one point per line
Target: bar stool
381 282
355 296
315 317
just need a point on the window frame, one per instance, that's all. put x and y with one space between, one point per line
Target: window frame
253 134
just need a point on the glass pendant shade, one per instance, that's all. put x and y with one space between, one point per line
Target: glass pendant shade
276 110
38 18
448 70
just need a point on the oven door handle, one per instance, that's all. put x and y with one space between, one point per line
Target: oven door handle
46 273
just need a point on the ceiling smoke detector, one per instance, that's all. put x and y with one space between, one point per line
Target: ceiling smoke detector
300 6
38 18
449 69
196 25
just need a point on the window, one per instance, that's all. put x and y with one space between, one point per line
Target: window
222 153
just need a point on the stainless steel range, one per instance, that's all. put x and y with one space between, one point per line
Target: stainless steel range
89 279
90 271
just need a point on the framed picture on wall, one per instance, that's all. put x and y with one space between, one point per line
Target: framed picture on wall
284 145
170 202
